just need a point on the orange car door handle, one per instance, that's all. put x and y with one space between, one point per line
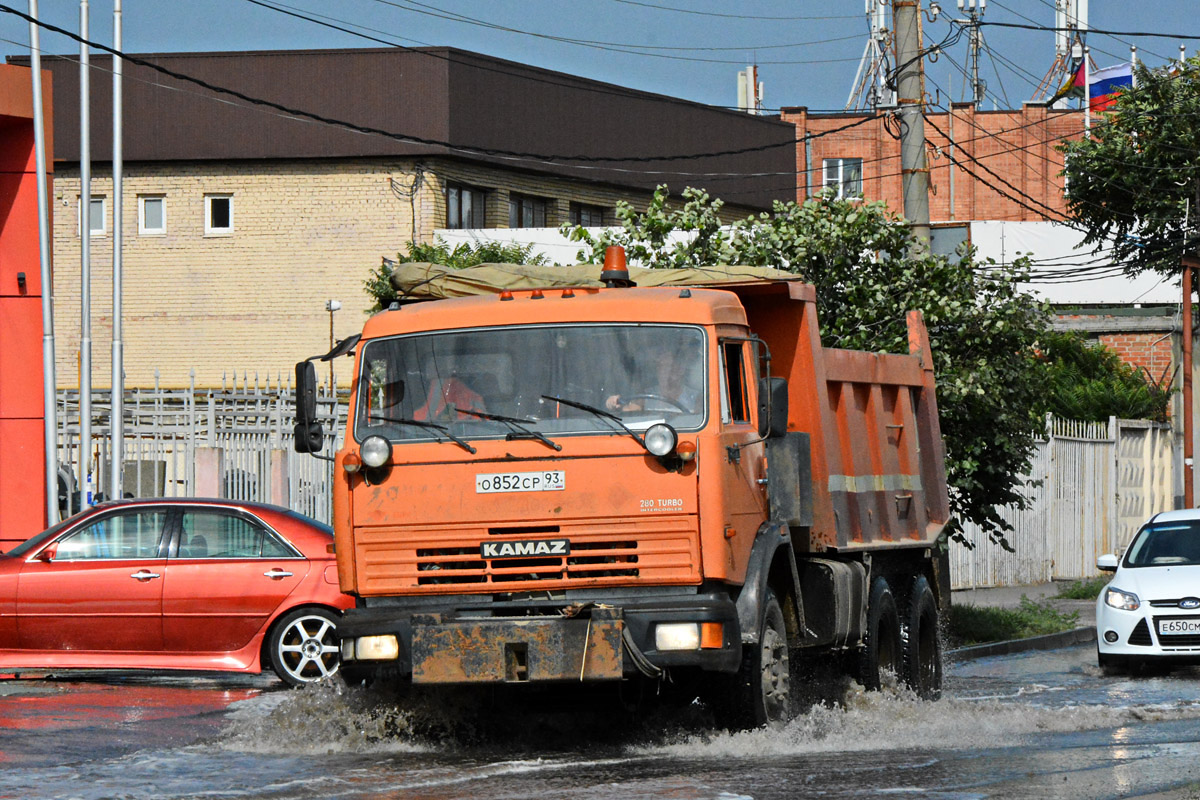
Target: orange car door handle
276 574
144 575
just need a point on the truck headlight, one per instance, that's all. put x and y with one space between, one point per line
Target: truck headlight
1126 601
375 451
661 439
677 636
376 648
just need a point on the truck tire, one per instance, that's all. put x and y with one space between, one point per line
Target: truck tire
881 658
923 643
760 693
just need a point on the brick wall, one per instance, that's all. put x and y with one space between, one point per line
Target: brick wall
1017 146
1152 351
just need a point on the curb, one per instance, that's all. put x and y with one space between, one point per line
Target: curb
1051 641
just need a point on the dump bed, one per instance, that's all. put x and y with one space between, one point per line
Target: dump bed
878 463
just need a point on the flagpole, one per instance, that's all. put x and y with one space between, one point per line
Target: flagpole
1133 62
1087 91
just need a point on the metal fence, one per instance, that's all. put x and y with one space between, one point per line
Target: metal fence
247 419
1094 484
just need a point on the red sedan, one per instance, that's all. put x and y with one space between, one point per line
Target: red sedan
174 584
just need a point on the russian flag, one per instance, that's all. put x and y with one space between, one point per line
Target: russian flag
1103 85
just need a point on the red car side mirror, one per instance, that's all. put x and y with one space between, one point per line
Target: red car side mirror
47 553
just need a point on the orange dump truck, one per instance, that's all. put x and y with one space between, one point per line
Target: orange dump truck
596 481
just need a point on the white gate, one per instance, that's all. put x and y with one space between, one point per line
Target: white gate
1095 483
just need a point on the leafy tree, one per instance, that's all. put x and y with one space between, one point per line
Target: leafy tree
1136 176
1089 381
983 330
379 283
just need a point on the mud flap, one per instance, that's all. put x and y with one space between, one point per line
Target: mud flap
523 650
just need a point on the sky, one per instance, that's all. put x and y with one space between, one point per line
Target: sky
807 51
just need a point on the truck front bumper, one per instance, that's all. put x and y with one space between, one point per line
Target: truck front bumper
507 643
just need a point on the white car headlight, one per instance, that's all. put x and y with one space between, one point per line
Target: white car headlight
375 451
661 439
1126 601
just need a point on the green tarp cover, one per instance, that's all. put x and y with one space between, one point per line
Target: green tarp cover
425 281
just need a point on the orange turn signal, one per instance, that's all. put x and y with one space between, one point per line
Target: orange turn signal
352 463
712 635
536 294
506 295
686 450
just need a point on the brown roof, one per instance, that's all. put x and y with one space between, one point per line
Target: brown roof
461 104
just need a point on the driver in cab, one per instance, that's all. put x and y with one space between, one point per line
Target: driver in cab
670 387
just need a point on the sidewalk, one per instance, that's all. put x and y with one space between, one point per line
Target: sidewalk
1010 597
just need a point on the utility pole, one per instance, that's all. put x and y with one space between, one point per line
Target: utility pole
85 250
1189 264
117 415
910 84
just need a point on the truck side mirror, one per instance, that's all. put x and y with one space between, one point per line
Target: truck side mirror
772 407
309 437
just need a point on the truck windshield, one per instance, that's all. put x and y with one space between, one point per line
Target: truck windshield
463 379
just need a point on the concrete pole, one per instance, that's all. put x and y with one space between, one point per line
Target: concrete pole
117 448
85 289
49 383
906 16
1189 264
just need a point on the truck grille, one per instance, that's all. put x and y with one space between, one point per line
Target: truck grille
662 550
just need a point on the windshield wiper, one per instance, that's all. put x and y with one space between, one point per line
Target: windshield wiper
518 430
599 412
433 426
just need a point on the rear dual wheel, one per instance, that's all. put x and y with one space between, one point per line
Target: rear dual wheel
880 662
922 642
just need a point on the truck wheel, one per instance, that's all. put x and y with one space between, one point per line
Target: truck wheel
881 655
760 692
922 647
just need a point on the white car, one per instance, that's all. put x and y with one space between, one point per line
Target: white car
1149 615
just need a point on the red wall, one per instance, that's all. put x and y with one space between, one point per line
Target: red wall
22 461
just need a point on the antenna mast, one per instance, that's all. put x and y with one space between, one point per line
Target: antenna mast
1071 25
870 90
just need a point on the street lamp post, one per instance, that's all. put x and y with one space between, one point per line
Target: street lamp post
332 306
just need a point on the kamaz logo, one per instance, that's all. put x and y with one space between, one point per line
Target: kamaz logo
545 547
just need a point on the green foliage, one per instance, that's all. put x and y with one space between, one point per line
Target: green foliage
648 238
967 625
379 284
1136 176
983 331
1084 590
1090 382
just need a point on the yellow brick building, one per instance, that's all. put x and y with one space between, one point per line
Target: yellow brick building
241 221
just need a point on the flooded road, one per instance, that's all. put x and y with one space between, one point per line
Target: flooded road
1035 725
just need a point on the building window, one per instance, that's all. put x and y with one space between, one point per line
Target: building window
218 214
845 176
526 212
587 216
464 207
152 215
96 221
